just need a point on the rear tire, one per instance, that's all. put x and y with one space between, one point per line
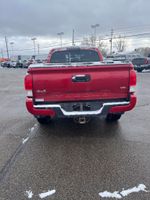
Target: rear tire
44 120
113 117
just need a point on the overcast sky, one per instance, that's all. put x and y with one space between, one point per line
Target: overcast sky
23 19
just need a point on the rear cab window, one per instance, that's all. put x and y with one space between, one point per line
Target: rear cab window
77 55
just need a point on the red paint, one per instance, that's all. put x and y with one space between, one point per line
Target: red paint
105 83
28 82
108 82
121 109
40 112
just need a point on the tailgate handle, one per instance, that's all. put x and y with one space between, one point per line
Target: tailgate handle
81 78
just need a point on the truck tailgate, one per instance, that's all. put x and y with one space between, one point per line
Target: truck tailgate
105 82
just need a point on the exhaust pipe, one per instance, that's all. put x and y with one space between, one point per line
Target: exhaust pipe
81 120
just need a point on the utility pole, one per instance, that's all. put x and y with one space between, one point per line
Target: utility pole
38 46
34 39
60 35
95 26
7 50
111 41
73 43
12 49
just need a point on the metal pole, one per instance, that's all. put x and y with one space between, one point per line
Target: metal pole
7 50
12 49
95 32
60 35
61 40
38 49
73 43
111 41
34 46
94 27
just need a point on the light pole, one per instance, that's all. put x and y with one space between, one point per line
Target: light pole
34 39
38 47
12 48
94 26
7 50
73 43
111 41
60 35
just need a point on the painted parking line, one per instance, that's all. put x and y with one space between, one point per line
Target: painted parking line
29 194
123 193
46 194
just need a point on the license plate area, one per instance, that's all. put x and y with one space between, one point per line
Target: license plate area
81 106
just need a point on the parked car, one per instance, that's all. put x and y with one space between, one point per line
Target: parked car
7 64
10 64
141 64
19 64
77 83
13 64
25 64
125 57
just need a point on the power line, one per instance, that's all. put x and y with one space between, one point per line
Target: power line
130 28
56 44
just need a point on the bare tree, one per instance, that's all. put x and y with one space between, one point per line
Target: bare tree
88 41
120 43
102 47
145 51
100 43
85 41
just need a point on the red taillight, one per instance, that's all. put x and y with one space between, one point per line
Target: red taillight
132 81
28 84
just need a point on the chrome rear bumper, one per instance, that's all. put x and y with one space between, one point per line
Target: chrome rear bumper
102 111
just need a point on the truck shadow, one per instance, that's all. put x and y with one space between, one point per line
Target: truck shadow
67 128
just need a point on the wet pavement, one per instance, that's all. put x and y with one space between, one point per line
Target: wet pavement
73 162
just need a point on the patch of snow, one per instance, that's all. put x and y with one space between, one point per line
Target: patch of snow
46 194
123 193
29 134
29 194
25 140
141 187
110 195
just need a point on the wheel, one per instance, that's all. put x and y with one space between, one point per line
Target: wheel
139 70
44 120
113 117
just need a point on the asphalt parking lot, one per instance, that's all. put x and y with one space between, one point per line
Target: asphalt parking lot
67 161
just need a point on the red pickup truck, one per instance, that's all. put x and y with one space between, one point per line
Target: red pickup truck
76 82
